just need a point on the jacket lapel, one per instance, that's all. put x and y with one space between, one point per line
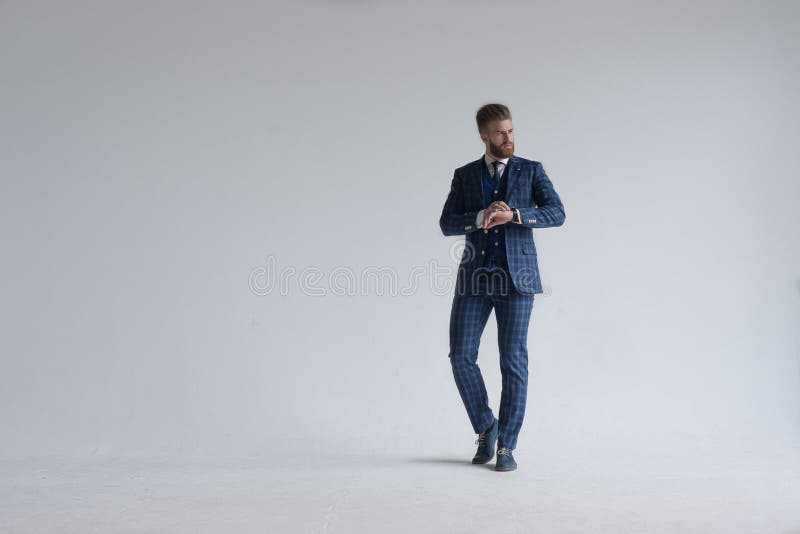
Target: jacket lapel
512 171
475 191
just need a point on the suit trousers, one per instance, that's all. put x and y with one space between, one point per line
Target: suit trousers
468 317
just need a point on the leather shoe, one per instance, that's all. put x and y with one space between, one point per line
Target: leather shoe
485 443
505 460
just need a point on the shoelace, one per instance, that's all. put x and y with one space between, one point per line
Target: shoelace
504 450
481 439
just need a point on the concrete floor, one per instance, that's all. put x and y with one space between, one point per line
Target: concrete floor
706 490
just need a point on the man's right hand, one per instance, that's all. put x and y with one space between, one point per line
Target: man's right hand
497 205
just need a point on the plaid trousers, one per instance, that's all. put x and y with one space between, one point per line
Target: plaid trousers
468 318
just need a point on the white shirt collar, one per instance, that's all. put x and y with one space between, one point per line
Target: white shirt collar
489 159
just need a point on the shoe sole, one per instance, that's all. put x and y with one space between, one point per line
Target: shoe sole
505 468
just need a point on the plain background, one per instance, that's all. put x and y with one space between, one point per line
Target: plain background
154 155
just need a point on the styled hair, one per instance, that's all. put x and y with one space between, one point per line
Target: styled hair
489 113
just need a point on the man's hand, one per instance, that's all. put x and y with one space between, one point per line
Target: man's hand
493 215
498 217
497 205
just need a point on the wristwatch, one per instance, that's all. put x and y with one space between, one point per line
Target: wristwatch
516 217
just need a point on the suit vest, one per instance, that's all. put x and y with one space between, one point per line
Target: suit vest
493 241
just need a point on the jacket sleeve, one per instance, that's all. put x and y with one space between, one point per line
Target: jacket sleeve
549 210
455 220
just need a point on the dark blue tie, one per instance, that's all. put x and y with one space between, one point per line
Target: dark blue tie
496 177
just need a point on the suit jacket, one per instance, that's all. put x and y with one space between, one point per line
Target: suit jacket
530 191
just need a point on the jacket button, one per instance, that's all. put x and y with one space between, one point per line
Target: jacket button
496 244
483 252
485 231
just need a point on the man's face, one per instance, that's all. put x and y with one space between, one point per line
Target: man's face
499 139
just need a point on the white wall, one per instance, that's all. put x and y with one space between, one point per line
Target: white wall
154 155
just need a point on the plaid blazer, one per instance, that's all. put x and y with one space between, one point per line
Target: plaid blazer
530 191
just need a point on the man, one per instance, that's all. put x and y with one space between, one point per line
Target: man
495 202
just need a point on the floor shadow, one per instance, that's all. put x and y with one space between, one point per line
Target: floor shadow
452 461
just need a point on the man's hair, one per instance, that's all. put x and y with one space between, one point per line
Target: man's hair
489 113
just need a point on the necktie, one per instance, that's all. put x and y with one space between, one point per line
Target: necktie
497 170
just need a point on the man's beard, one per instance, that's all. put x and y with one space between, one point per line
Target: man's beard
500 152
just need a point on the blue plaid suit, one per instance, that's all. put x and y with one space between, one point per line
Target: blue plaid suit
508 289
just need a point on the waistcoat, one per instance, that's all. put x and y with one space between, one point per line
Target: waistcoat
493 242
